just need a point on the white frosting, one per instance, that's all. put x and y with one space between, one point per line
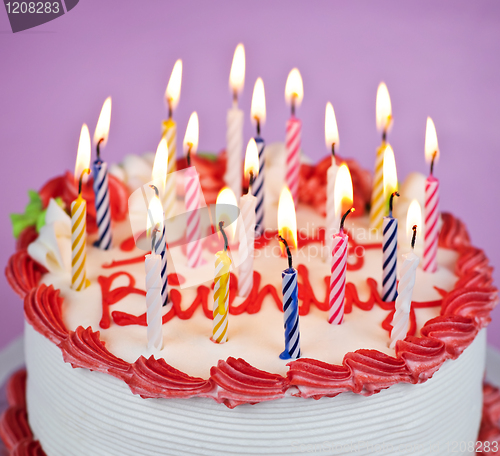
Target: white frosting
82 413
257 338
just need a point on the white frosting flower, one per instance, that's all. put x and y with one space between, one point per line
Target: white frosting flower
52 248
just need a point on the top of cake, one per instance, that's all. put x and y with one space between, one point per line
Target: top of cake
104 327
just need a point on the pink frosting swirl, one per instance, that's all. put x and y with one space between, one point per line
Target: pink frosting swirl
23 273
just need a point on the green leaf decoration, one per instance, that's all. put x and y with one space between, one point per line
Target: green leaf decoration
31 214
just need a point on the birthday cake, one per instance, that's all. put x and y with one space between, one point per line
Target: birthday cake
94 387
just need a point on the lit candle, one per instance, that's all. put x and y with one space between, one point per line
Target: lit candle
389 229
258 115
79 215
247 226
384 121
221 292
192 196
234 132
431 208
172 96
101 187
153 265
338 274
287 225
400 321
332 140
294 93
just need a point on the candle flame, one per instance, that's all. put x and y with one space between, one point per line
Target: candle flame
390 173
342 192
383 108
192 134
413 217
160 166
237 74
102 128
83 154
331 129
431 141
155 215
287 220
294 88
173 92
258 108
226 207
251 159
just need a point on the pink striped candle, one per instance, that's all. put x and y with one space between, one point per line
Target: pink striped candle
293 139
193 225
431 214
294 93
338 277
431 208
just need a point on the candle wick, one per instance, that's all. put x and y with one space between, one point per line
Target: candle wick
288 253
188 155
333 149
384 136
221 226
235 98
391 202
153 238
258 125
155 188
414 237
344 217
98 148
294 95
85 171
170 110
432 161
251 180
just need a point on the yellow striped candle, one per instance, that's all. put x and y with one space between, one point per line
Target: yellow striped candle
221 292
78 241
172 96
169 196
384 119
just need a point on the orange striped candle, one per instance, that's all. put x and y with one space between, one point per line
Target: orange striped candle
221 293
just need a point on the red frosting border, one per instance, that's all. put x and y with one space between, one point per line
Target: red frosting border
464 311
19 441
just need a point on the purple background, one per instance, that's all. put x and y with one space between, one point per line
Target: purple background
437 58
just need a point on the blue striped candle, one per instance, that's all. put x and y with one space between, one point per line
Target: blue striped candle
161 249
102 204
258 189
389 255
291 314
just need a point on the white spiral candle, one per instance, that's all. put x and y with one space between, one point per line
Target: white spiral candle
401 317
246 248
154 301
234 150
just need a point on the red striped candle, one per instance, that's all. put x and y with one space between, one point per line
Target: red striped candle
338 277
294 93
293 139
431 214
431 208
